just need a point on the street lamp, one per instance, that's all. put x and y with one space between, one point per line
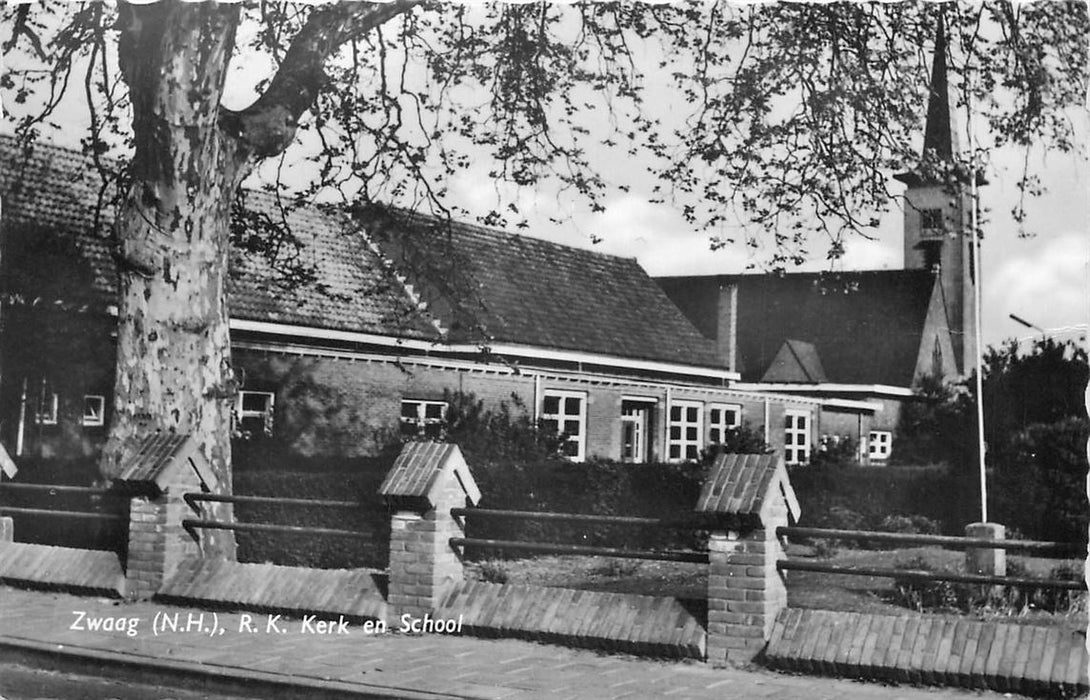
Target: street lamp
1027 324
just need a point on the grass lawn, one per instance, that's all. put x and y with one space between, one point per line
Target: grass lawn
806 589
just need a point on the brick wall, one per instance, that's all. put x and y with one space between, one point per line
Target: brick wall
423 566
745 590
157 540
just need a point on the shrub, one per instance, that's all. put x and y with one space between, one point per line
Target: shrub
909 525
947 596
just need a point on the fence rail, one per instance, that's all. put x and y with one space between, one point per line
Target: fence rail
268 500
62 513
268 527
1030 546
545 548
917 575
687 522
53 489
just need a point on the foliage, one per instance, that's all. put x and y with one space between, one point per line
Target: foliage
1038 483
909 525
788 116
865 497
967 598
743 439
321 551
1035 429
843 453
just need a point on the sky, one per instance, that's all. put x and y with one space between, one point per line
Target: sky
1043 279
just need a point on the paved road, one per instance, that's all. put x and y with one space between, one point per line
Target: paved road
267 656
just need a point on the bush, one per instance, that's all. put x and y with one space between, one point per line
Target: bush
931 493
968 598
1038 484
321 551
909 525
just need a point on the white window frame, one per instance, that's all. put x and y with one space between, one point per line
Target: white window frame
562 416
96 416
265 414
879 445
722 425
793 451
685 427
48 407
421 421
641 420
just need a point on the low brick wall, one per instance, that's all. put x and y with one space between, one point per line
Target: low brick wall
638 624
61 568
932 650
354 593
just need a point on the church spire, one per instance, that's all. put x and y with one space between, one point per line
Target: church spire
940 133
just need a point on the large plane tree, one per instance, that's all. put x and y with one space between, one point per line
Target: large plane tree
787 116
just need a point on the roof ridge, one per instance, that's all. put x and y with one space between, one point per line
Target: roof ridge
470 227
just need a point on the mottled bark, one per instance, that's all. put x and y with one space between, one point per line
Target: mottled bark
173 347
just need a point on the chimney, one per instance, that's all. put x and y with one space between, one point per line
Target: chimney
726 328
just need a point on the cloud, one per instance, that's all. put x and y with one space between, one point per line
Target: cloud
1048 285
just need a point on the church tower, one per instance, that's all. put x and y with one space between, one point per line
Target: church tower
937 211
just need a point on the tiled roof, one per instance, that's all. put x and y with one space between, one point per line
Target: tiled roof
481 285
54 190
485 285
797 361
865 326
744 484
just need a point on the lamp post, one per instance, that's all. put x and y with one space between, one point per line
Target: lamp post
1027 324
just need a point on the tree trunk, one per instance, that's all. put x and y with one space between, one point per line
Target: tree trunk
173 347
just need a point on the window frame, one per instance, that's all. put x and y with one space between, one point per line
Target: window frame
267 414
932 215
885 446
723 426
683 442
791 448
93 419
644 427
422 421
562 417
47 396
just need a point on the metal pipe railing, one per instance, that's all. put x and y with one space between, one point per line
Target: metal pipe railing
691 521
543 548
266 527
918 575
1035 547
62 513
54 489
268 500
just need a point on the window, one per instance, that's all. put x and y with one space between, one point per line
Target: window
685 430
721 418
255 413
796 436
565 413
425 419
636 429
94 410
46 413
931 221
879 445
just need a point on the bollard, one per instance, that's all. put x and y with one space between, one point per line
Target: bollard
990 562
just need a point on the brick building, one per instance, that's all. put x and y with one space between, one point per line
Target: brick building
388 311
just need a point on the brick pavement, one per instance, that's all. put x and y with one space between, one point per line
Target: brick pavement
35 629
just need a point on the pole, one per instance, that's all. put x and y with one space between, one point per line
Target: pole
978 283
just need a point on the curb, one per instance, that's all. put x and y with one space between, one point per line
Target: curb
195 676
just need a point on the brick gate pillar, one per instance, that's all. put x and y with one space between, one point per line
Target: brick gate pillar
752 497
160 470
426 481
